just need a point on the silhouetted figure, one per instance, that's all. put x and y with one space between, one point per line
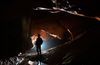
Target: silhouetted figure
38 44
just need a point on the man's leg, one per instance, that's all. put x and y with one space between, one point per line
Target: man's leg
40 49
37 49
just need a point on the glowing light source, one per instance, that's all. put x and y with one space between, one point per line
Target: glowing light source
33 38
44 35
30 62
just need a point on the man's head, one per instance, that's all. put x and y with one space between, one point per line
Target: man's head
39 35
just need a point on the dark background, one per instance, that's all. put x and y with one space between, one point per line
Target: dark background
11 13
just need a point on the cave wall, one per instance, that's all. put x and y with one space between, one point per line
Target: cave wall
11 31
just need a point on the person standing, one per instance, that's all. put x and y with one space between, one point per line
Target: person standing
38 44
